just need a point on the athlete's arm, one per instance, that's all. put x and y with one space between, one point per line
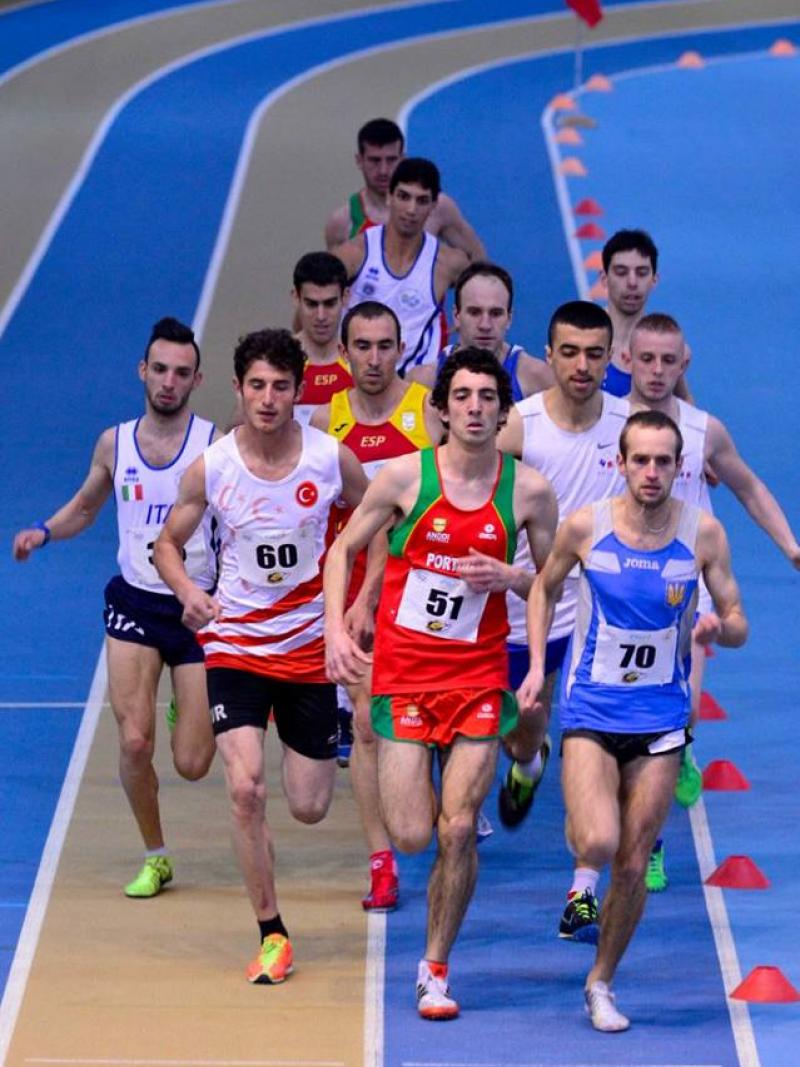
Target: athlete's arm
354 480
540 514
449 264
727 625
352 254
425 375
321 417
186 515
337 228
433 420
456 231
81 511
511 436
534 374
759 502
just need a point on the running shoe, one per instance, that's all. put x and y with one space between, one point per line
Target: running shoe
689 785
483 828
171 715
601 1009
579 921
384 886
517 791
345 745
273 964
151 879
433 995
656 875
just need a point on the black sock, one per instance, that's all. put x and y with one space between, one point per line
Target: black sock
272 926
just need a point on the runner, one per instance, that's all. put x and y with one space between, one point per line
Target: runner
380 418
380 147
141 462
270 484
440 673
319 293
625 692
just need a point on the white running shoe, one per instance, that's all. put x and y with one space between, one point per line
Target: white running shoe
483 828
601 1009
433 995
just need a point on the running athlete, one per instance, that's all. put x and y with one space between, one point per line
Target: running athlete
625 688
569 433
440 678
380 418
402 266
270 484
141 462
483 294
380 146
319 294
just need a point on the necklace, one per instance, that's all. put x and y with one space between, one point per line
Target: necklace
656 529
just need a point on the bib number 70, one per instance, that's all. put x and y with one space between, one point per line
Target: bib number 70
641 656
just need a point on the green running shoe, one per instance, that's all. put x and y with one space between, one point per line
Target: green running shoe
515 798
656 876
171 715
151 879
689 785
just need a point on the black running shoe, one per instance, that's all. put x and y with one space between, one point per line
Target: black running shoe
517 792
579 921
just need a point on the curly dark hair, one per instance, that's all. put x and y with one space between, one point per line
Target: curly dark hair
171 329
277 347
479 361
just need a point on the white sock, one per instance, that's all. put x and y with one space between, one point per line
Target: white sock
163 851
530 768
584 878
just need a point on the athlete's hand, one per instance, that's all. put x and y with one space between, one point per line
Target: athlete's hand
794 557
707 629
485 574
528 693
199 609
345 662
25 542
359 622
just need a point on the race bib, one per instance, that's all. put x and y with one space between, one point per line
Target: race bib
634 657
140 554
278 557
441 606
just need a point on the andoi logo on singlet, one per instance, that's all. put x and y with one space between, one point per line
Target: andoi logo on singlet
412 717
486 711
307 494
410 299
439 532
488 533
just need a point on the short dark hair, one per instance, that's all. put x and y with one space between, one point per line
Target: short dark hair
657 322
652 420
415 171
630 241
379 132
170 329
319 268
583 315
479 361
368 309
483 269
279 348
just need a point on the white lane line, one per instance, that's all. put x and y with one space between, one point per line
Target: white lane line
31 928
10 705
374 983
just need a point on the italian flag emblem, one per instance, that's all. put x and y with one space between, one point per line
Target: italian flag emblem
132 492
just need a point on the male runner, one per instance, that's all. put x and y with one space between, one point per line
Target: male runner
270 484
141 462
380 418
319 293
625 689
483 295
440 671
402 266
569 433
380 146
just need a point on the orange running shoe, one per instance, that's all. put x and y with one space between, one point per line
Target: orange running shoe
273 964
384 886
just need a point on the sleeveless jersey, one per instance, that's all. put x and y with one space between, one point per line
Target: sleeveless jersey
404 431
272 546
616 381
411 296
582 468
320 382
627 667
690 484
144 497
510 364
432 631
359 219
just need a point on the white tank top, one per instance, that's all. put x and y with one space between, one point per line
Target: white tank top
410 296
272 540
690 484
582 468
145 496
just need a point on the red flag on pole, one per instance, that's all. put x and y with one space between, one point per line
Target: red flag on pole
589 10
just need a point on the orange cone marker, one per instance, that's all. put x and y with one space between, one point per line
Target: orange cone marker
691 61
599 83
738 872
588 207
569 136
725 776
590 231
783 49
709 708
766 985
594 261
562 102
573 167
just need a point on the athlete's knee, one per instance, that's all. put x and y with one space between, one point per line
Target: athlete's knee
248 799
192 765
409 836
456 832
594 844
310 809
136 748
629 870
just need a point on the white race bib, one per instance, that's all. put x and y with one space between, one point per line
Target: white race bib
441 606
634 657
277 557
140 554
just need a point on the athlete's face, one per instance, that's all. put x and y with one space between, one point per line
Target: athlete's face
630 279
268 396
319 308
473 408
169 375
483 318
579 359
651 466
377 163
409 208
372 351
657 362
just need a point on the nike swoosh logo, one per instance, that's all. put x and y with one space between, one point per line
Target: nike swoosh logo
609 445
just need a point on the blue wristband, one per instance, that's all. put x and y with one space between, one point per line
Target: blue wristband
45 530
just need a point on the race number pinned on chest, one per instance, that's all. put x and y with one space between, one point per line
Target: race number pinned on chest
141 542
634 657
278 557
441 606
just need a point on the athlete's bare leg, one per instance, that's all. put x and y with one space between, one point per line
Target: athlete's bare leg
407 797
646 789
133 673
308 785
466 779
590 782
364 772
192 739
242 751
527 737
